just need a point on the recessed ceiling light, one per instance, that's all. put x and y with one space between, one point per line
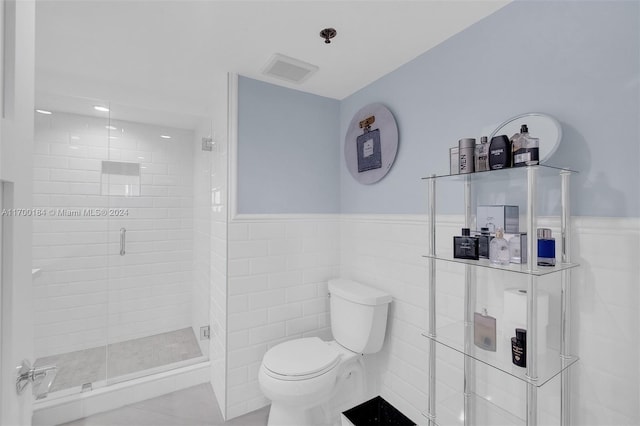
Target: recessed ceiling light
113 137
75 138
165 136
110 127
100 108
73 147
44 111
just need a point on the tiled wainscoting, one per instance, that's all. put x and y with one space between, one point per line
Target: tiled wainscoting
278 272
278 267
385 251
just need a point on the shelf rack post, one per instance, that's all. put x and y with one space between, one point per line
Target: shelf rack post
469 297
532 300
431 408
565 298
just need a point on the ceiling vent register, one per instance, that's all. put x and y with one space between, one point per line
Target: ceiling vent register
289 69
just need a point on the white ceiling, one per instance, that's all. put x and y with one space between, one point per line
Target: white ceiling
165 54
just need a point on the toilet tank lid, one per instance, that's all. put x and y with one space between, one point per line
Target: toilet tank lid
358 293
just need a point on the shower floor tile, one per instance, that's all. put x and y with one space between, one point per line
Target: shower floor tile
122 358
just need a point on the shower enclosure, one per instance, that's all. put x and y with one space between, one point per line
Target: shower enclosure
120 241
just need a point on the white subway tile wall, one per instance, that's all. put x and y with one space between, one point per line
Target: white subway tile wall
278 272
385 252
87 293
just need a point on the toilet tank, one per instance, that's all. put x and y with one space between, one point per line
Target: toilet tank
358 315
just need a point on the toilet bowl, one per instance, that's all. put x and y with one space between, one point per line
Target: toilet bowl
301 376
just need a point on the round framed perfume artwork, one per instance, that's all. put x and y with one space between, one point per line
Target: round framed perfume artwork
371 143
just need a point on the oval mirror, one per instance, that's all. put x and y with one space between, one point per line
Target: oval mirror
541 126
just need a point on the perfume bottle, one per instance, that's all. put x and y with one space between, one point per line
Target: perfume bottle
499 249
525 148
518 248
368 146
519 348
454 161
499 152
546 248
466 246
484 239
482 155
466 151
484 331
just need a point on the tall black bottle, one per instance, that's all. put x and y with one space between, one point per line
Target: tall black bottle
499 152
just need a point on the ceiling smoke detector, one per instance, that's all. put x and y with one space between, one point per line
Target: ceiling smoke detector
327 34
289 69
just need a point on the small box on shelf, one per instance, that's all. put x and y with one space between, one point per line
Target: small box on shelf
494 217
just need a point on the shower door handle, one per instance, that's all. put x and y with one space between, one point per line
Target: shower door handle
123 241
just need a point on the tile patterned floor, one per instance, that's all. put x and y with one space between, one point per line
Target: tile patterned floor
194 406
92 365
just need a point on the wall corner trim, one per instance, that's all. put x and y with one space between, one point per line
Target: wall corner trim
232 135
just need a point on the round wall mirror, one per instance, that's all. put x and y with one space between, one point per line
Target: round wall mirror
541 126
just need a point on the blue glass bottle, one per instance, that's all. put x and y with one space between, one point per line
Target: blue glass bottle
546 248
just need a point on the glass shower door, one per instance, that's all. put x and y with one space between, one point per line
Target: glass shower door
154 321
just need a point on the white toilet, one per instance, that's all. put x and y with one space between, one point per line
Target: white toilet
301 375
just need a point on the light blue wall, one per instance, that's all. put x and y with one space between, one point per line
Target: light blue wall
578 61
287 150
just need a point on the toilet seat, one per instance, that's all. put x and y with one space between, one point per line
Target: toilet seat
300 359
